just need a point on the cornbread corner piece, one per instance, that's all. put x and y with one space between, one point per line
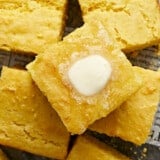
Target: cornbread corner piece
136 113
2 155
87 147
50 72
132 24
31 26
27 121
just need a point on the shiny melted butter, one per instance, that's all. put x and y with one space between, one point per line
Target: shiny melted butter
90 75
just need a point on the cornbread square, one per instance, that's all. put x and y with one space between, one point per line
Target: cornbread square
50 73
132 121
87 147
132 24
2 155
31 26
27 121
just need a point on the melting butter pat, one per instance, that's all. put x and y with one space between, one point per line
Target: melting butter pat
89 75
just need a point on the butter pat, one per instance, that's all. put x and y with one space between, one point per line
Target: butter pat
90 74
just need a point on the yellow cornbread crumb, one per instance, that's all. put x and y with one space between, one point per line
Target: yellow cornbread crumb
132 24
31 26
27 121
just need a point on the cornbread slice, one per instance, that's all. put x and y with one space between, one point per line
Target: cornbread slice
27 121
132 121
132 24
87 147
2 155
50 73
31 26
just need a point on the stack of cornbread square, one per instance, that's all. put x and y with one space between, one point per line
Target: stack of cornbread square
85 81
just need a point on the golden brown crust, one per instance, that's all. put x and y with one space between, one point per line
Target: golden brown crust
27 121
133 120
87 147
